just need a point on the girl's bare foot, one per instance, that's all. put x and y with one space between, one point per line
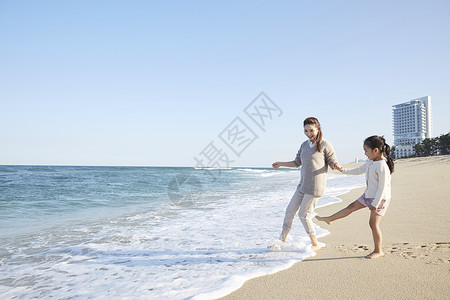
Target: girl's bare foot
374 255
324 219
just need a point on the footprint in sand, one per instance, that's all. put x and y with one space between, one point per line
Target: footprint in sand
434 253
355 248
431 253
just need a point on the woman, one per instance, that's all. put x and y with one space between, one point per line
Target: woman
315 155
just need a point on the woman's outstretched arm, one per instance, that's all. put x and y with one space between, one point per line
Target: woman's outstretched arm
290 164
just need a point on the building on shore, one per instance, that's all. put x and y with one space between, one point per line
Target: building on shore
411 124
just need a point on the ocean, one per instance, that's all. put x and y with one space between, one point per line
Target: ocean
146 232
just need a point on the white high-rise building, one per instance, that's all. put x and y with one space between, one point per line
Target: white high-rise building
411 125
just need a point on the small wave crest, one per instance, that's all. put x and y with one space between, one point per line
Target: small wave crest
211 168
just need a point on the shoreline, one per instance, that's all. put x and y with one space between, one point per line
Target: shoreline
349 165
415 241
240 280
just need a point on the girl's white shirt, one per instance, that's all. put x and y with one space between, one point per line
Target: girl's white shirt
378 180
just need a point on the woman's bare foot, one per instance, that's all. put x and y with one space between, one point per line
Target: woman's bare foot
315 244
324 219
374 255
276 246
315 248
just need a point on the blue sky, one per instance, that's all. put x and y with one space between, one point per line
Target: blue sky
152 83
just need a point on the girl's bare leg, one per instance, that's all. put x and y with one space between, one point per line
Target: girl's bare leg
352 207
374 223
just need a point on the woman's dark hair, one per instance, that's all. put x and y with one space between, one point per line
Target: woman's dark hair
379 142
315 122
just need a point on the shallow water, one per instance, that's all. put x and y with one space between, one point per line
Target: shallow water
145 233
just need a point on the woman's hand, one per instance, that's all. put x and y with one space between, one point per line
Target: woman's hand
289 164
276 165
337 167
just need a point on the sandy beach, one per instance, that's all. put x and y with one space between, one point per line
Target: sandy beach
416 240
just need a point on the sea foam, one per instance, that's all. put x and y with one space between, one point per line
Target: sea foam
150 247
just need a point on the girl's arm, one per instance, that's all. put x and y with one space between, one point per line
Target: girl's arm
356 171
383 182
290 164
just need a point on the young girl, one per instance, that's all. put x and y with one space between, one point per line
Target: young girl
377 195
315 156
